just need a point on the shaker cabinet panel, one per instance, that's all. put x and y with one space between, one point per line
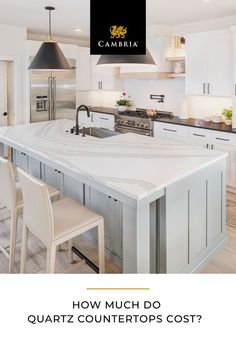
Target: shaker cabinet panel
20 159
53 177
209 63
196 66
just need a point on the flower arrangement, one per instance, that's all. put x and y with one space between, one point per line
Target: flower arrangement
124 101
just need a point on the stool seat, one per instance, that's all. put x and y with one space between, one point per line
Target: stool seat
69 216
53 192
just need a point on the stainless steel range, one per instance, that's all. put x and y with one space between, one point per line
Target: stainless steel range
138 121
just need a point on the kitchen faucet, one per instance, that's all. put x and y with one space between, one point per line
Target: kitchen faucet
77 117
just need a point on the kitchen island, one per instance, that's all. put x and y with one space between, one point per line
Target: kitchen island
166 201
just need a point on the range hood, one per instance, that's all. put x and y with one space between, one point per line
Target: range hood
159 48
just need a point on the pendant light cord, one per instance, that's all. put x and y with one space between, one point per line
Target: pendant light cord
50 9
50 25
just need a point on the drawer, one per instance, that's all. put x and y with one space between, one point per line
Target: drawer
20 159
170 129
199 134
224 138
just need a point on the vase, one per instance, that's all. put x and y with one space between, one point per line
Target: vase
228 121
121 108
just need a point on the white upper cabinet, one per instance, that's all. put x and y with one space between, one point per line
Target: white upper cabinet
104 78
209 63
234 76
83 76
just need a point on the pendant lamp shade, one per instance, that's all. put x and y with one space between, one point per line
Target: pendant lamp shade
49 56
125 60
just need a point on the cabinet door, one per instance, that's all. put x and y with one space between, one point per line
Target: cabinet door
20 159
83 70
98 202
53 177
34 167
73 189
115 227
111 210
234 76
219 63
104 78
196 66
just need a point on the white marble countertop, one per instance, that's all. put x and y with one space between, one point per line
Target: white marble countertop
134 165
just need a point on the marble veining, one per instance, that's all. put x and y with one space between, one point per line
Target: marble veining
131 164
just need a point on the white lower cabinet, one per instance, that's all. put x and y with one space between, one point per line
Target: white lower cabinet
111 210
209 139
73 189
53 177
34 168
20 159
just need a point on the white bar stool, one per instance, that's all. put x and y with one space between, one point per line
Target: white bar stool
11 198
55 223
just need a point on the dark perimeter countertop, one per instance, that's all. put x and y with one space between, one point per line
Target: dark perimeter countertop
191 122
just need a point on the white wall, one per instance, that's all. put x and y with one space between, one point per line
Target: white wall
12 48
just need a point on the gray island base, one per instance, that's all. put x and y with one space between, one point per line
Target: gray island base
164 202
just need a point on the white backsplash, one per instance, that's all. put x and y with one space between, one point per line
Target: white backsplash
174 91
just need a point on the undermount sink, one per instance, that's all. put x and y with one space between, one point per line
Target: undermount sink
97 132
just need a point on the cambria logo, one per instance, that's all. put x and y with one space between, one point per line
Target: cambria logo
118 32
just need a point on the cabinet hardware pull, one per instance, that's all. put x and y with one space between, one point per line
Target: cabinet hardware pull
222 139
208 89
22 153
212 147
204 88
170 130
208 146
101 85
115 200
92 118
103 118
202 136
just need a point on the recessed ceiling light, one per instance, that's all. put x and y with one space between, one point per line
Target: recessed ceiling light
206 0
78 29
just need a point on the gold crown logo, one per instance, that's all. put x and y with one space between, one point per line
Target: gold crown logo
118 31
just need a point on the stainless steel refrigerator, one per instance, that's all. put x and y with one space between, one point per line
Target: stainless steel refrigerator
53 95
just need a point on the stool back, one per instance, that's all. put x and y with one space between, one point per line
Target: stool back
37 209
7 185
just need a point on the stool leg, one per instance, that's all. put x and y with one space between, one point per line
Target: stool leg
25 233
70 253
13 231
51 259
101 247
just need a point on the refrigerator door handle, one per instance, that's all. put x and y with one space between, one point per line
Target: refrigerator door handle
54 98
50 97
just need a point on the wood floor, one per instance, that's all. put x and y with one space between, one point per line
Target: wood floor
223 263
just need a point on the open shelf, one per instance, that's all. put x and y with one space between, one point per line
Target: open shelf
173 75
173 59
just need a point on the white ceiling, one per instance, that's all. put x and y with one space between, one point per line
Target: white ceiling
70 14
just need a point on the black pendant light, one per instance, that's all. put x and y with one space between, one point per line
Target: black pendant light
125 60
49 56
